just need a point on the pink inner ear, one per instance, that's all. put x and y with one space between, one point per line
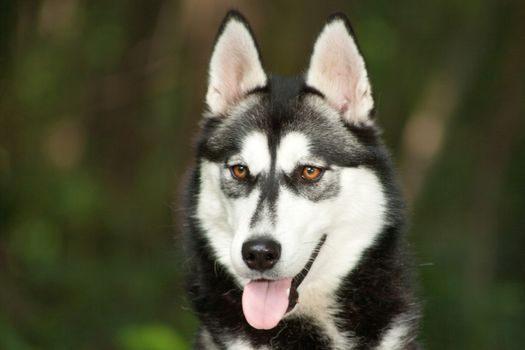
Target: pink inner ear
344 107
338 71
229 70
234 68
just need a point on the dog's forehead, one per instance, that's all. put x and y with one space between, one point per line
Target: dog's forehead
292 148
289 134
283 124
256 152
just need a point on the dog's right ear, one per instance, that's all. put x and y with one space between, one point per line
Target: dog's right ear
338 71
235 66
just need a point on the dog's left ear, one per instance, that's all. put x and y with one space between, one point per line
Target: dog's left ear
235 65
338 71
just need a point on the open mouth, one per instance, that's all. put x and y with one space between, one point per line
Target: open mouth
265 302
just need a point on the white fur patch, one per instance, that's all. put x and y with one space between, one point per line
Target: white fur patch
239 344
395 338
211 212
240 213
207 341
225 222
337 69
234 69
352 220
293 150
255 153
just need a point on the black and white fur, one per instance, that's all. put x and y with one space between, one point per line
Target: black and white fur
357 294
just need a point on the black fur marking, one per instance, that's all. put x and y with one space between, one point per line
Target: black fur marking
297 280
257 90
376 291
308 90
267 199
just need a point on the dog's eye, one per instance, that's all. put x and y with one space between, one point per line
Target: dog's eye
311 173
239 171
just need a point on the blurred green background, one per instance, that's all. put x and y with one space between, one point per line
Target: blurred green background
99 102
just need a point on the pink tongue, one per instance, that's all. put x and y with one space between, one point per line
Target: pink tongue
264 303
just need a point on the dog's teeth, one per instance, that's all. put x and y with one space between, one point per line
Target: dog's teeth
288 291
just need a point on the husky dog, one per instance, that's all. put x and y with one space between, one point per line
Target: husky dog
294 218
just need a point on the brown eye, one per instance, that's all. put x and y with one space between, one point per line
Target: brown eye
240 172
311 173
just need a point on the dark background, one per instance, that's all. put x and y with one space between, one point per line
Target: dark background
99 102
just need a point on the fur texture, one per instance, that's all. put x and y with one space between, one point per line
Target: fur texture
355 292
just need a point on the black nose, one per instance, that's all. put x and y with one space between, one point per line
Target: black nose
261 254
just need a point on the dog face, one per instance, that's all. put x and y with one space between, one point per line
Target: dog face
288 188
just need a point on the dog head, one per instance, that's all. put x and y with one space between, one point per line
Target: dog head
289 194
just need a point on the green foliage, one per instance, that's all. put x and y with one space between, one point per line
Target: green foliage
151 337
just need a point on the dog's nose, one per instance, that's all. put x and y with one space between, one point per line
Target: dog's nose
261 254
